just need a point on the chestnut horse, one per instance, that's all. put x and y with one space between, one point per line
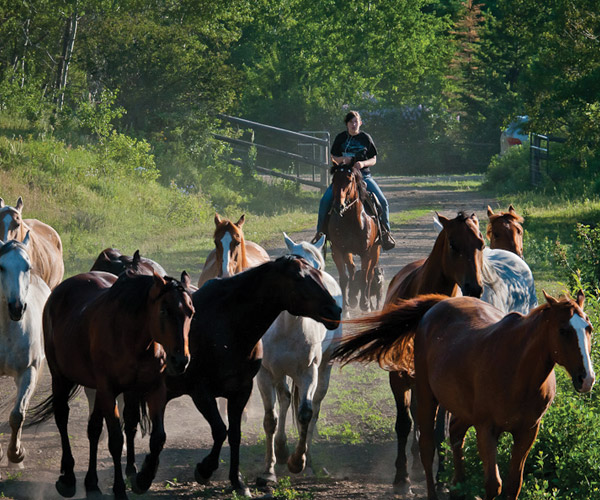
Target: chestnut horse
45 248
352 232
114 335
232 314
491 371
504 230
455 263
232 253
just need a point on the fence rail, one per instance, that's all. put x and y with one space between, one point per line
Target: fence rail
292 152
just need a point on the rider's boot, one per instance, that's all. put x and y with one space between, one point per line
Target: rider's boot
387 240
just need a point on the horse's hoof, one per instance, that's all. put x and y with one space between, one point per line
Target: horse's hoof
265 479
200 476
296 465
140 484
16 457
64 488
243 491
403 488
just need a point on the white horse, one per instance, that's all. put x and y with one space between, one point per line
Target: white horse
299 348
507 280
22 299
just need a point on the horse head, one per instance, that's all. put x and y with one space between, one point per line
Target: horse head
504 230
171 318
459 245
15 275
571 339
113 261
230 246
348 187
312 253
304 291
11 222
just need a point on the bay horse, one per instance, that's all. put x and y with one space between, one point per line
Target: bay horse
232 253
46 250
352 231
114 335
454 266
297 347
491 371
504 230
232 315
22 299
112 261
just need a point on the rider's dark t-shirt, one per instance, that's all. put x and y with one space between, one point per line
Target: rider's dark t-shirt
360 145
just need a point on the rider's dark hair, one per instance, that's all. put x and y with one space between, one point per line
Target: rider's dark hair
350 115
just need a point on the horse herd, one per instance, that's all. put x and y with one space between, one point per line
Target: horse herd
460 330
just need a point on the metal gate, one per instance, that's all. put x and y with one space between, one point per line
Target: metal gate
302 157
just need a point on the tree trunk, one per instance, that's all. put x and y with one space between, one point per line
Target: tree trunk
63 64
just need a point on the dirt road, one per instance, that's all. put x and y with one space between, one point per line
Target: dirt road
343 471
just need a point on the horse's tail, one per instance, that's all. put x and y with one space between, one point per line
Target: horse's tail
44 410
137 412
387 337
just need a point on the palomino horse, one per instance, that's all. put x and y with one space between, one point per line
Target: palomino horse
114 335
113 261
455 263
232 253
352 232
504 230
491 371
22 299
232 314
45 248
299 348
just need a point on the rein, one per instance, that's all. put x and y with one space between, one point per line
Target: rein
346 208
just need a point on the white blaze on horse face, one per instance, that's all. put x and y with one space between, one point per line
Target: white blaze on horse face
579 325
6 220
226 244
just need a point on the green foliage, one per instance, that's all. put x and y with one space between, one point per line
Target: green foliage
509 173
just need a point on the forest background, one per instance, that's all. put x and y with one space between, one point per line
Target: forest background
108 111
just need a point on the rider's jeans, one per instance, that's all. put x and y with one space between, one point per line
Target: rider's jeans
327 201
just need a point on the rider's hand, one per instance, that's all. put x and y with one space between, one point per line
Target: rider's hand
359 164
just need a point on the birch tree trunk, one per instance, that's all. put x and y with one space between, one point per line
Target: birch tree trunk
63 65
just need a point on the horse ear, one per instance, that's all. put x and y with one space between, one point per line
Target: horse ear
2 204
580 298
217 219
319 244
19 206
437 223
241 221
136 258
490 212
186 281
551 300
511 209
26 239
288 242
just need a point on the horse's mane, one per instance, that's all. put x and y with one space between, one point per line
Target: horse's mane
11 245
